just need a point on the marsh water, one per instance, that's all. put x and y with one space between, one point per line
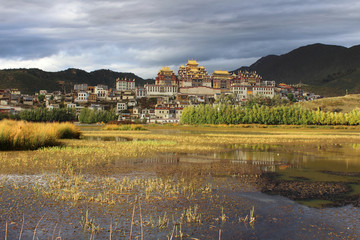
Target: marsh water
231 184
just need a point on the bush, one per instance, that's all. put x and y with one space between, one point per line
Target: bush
90 116
46 115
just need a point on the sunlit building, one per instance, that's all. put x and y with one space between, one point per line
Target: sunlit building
166 77
247 84
247 78
166 84
125 84
192 75
221 79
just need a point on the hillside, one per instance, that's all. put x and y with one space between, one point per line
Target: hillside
334 104
32 80
326 69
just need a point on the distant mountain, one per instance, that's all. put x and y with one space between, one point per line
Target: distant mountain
32 80
326 69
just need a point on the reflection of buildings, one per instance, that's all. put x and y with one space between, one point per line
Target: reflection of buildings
257 158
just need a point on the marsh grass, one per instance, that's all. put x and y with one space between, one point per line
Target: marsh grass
74 175
21 135
67 130
84 155
214 140
128 127
109 190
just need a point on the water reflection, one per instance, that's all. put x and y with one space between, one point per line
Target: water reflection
107 139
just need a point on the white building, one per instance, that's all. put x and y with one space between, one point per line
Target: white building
53 106
161 90
121 106
140 92
125 84
82 97
264 91
71 105
101 92
243 92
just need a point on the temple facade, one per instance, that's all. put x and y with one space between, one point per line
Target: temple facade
221 79
166 77
247 84
247 78
192 75
166 84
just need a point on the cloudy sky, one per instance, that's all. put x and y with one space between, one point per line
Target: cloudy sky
141 36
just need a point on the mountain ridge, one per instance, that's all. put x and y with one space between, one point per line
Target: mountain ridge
327 69
31 80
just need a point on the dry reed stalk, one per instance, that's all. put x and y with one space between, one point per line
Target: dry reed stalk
132 221
22 227
141 226
6 230
37 226
52 238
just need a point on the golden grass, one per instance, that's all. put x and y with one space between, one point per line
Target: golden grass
21 135
240 136
343 104
86 155
128 127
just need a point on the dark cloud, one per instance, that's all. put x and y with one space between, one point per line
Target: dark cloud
145 35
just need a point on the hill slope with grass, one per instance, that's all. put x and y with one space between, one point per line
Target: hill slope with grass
334 104
32 80
326 69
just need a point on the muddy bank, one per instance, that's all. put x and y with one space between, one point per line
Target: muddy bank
301 189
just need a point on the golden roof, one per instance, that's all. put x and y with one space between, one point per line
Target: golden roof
165 69
192 62
221 72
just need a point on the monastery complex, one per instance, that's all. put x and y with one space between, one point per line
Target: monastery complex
162 101
193 79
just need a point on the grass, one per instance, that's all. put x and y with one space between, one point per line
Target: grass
86 155
21 135
341 104
128 127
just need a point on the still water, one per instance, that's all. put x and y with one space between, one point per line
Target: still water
235 177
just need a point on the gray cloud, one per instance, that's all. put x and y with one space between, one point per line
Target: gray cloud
144 35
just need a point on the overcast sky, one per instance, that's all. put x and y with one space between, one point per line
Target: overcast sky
141 36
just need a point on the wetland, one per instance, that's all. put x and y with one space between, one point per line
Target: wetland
185 182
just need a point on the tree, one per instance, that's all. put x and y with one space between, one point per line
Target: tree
41 98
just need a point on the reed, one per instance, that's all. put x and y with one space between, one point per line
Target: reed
21 135
131 127
67 130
